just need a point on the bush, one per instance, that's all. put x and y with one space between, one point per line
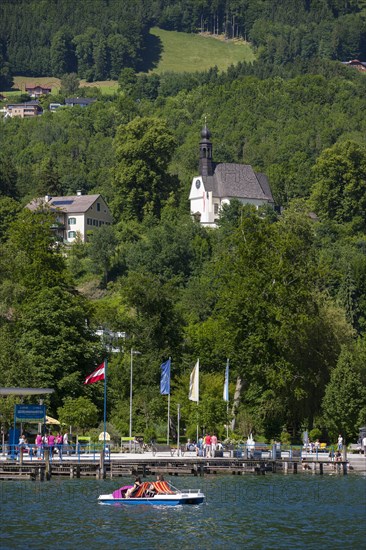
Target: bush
315 434
285 438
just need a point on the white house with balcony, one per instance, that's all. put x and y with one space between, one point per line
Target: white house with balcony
218 183
75 215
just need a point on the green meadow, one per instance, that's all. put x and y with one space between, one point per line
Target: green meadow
182 52
167 51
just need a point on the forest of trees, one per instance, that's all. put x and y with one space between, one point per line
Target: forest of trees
98 38
281 293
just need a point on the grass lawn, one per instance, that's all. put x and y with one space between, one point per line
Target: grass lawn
167 51
21 81
193 52
106 86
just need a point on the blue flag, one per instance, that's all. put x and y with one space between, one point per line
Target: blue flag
165 378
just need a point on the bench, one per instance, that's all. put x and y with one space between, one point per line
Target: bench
191 451
257 451
159 449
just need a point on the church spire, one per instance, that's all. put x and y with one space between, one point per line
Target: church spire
205 164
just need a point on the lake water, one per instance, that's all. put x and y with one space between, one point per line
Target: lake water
272 511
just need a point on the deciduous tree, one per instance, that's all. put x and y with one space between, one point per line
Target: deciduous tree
142 183
80 413
339 192
344 403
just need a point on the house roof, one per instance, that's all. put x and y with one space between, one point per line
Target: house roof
33 103
354 62
238 181
37 87
71 204
79 100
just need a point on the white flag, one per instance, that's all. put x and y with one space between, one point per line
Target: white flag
194 383
226 383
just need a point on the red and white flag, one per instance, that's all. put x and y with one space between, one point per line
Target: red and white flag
98 374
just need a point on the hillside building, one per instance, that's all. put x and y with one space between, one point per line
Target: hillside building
81 101
75 214
355 64
218 183
35 90
23 110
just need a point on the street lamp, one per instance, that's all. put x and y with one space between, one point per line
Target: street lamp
133 352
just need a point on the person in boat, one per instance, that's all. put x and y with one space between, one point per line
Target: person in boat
134 488
151 491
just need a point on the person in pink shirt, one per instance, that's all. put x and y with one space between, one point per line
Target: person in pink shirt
51 443
39 446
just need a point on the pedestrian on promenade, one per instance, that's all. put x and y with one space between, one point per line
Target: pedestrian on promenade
207 445
59 443
199 446
213 444
51 443
39 445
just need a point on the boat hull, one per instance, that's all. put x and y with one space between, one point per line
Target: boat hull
177 499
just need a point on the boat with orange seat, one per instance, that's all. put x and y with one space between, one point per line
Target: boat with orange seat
155 493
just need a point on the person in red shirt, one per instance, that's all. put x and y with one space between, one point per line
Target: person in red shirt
207 445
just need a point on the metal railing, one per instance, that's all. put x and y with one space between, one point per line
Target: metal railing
91 452
32 452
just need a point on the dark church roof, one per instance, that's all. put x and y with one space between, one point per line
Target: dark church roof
237 181
229 180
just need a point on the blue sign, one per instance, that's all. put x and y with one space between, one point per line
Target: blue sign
30 413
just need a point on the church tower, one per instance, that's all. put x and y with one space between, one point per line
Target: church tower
206 167
218 183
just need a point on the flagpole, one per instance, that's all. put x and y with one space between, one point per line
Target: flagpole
226 396
227 402
198 393
100 374
227 420
197 423
105 401
167 431
178 446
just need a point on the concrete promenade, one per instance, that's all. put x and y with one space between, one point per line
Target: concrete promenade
354 459
148 463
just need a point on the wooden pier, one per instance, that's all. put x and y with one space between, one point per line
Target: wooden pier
144 467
